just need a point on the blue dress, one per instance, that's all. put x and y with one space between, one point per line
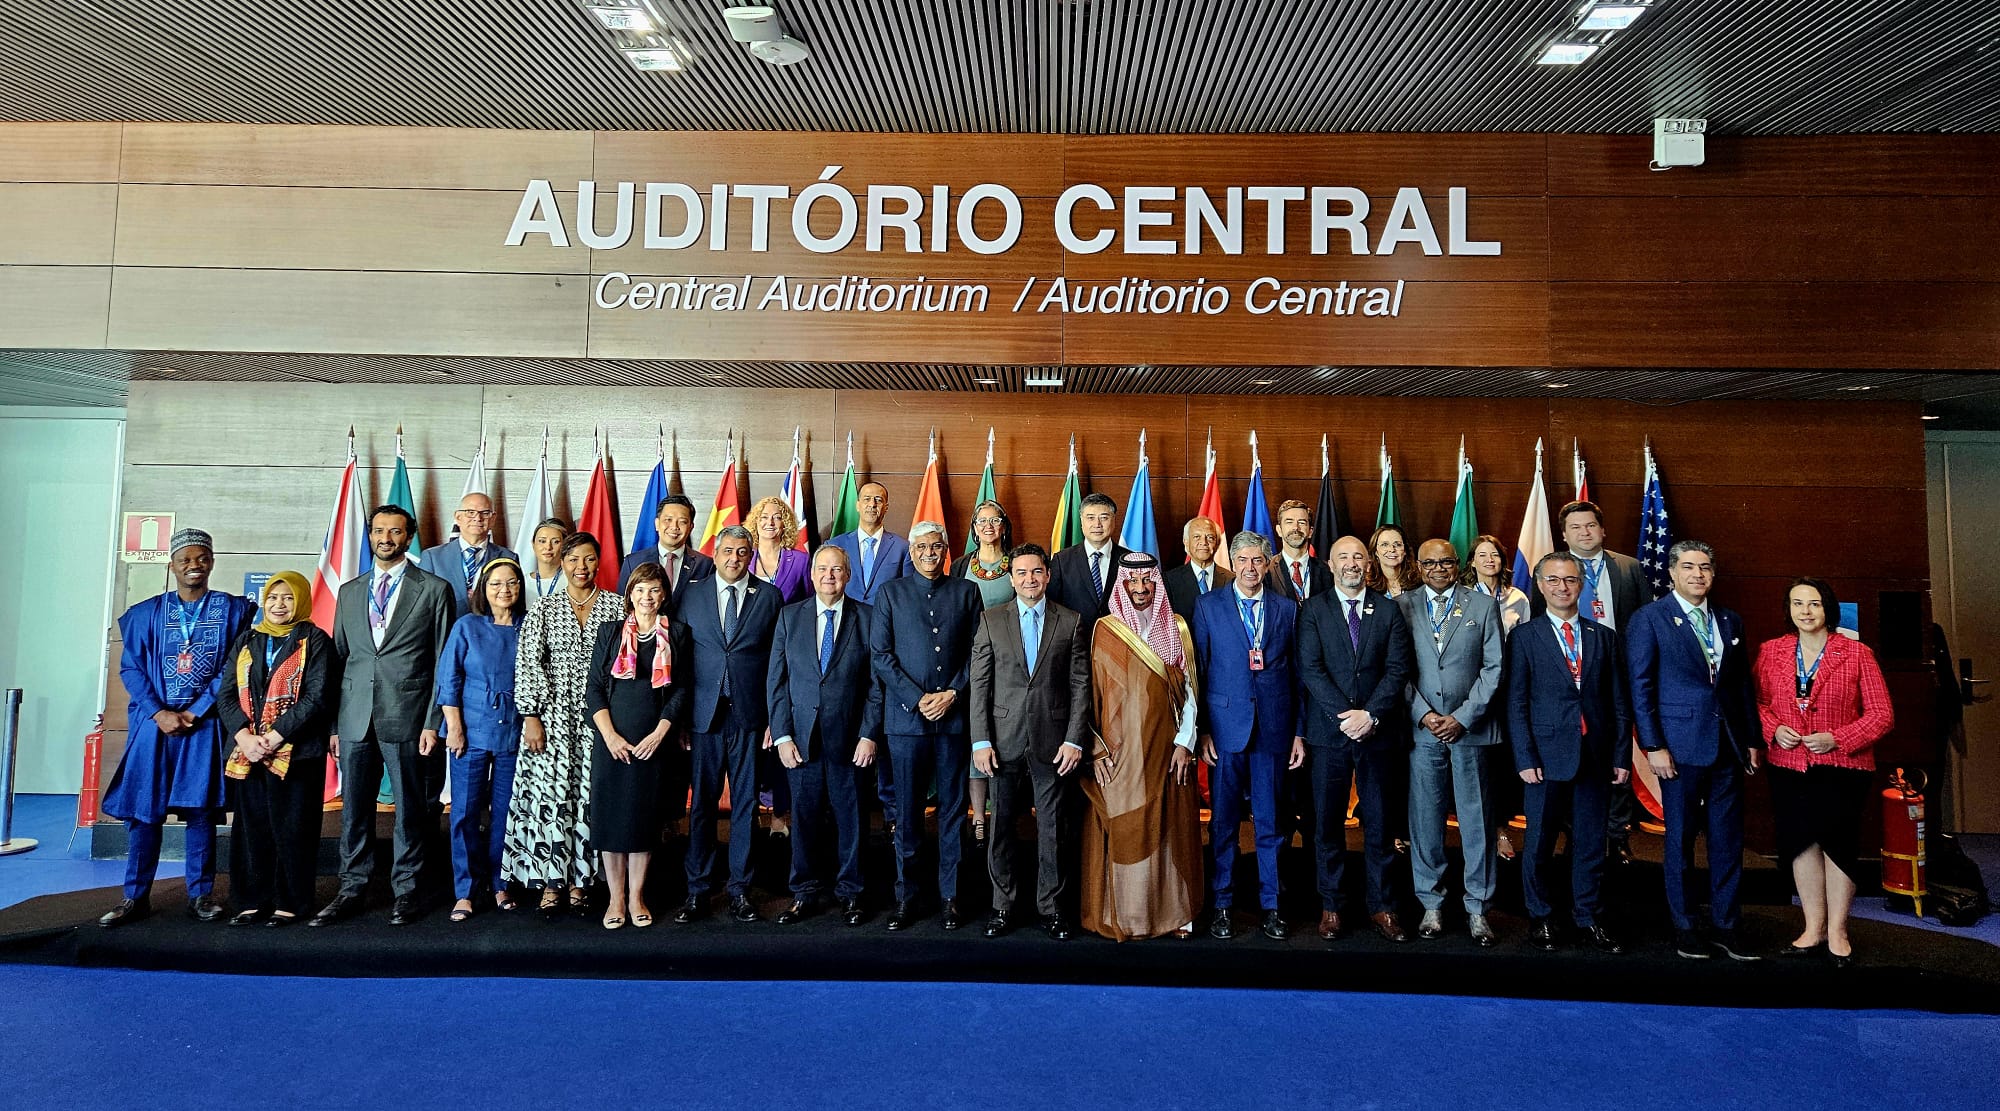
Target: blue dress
477 675
160 772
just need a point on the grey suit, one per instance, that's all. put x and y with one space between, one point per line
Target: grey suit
1459 656
385 704
1027 718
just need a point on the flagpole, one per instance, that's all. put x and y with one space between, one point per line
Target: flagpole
989 445
1325 460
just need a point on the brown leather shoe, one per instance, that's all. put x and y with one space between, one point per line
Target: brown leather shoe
1389 926
1329 925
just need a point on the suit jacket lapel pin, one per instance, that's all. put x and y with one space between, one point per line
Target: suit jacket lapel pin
1368 609
1734 641
1677 622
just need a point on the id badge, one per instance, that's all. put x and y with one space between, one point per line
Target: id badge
185 664
1597 609
1256 659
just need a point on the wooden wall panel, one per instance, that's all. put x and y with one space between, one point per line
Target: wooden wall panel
57 225
1031 165
348 311
1487 165
1726 239
1859 325
1781 166
356 157
77 152
1754 443
54 306
308 422
453 230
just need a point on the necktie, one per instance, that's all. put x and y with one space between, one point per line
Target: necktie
1201 582
1097 573
378 613
1354 622
1575 658
826 644
471 567
1700 618
729 614
672 580
867 560
1298 581
1031 639
1249 607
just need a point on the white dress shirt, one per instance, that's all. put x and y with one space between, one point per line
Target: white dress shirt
395 577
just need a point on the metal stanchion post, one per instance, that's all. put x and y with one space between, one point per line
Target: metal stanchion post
10 736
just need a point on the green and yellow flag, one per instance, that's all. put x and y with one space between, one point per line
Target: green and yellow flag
1068 529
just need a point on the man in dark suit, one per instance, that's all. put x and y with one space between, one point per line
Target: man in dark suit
1354 657
1030 722
921 635
389 631
826 712
1295 574
1244 639
459 560
1568 718
876 555
731 618
1614 587
1200 574
674 520
1080 575
1696 715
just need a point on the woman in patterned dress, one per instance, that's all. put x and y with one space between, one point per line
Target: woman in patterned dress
548 820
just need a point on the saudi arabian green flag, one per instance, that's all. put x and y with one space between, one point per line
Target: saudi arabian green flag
1068 528
1464 518
845 519
1387 513
986 494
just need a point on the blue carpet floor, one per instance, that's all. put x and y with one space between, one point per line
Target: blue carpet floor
59 863
91 1038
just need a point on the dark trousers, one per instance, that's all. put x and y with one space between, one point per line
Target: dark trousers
142 855
1372 773
918 760
277 833
1580 804
1622 812
727 754
826 805
1013 783
481 782
363 763
1710 796
1259 772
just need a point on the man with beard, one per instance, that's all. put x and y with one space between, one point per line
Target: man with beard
1295 573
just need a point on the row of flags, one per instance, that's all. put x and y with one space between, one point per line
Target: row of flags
344 554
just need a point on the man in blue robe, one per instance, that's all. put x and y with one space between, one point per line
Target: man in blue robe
174 746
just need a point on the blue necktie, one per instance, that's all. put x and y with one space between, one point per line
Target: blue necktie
1249 608
1031 639
826 644
867 561
1097 574
471 567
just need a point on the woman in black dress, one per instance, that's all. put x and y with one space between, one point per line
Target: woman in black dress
636 692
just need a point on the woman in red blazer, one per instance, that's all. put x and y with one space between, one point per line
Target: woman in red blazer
1823 705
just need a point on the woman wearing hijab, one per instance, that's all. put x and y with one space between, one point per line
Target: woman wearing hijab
280 684
637 691
475 689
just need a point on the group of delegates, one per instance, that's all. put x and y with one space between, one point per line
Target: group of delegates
1085 686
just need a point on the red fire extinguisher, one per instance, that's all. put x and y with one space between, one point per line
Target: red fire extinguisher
93 755
1903 838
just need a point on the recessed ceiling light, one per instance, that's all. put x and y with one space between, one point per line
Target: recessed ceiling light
617 17
1610 17
987 381
716 374
159 370
1556 385
1041 381
1264 382
1930 416
656 59
1566 53
1853 389
435 372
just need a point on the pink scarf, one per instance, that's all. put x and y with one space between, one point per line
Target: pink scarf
626 665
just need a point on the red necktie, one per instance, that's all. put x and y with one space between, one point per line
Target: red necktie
1298 580
1575 659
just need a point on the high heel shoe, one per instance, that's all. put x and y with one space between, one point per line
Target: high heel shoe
551 903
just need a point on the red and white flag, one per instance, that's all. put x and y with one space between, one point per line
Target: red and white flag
345 552
1211 491
795 494
601 521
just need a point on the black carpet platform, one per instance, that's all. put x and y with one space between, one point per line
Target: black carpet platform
1900 966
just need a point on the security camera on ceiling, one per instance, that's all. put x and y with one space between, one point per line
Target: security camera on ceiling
758 27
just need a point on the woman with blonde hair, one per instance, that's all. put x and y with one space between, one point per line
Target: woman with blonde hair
776 558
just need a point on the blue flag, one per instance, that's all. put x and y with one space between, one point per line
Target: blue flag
646 534
1256 511
1656 535
1139 533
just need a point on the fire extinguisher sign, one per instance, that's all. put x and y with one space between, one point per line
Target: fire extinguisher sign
145 537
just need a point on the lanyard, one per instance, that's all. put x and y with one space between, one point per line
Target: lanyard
1593 570
273 648
1252 611
1575 658
188 627
1805 675
1438 623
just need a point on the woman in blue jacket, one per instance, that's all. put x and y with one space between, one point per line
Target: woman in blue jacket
475 688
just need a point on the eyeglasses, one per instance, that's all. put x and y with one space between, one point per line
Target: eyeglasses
983 521
1432 564
475 513
1562 580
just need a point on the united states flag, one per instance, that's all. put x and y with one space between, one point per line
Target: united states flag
1655 533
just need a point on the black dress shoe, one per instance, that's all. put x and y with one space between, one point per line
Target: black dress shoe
1689 944
204 909
1844 962
1057 929
342 906
903 916
1543 935
1812 950
280 921
695 907
404 911
1605 940
743 910
799 911
1274 926
130 910
852 912
1220 927
250 917
999 924
950 915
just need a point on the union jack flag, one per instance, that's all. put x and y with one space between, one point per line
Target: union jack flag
1656 536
